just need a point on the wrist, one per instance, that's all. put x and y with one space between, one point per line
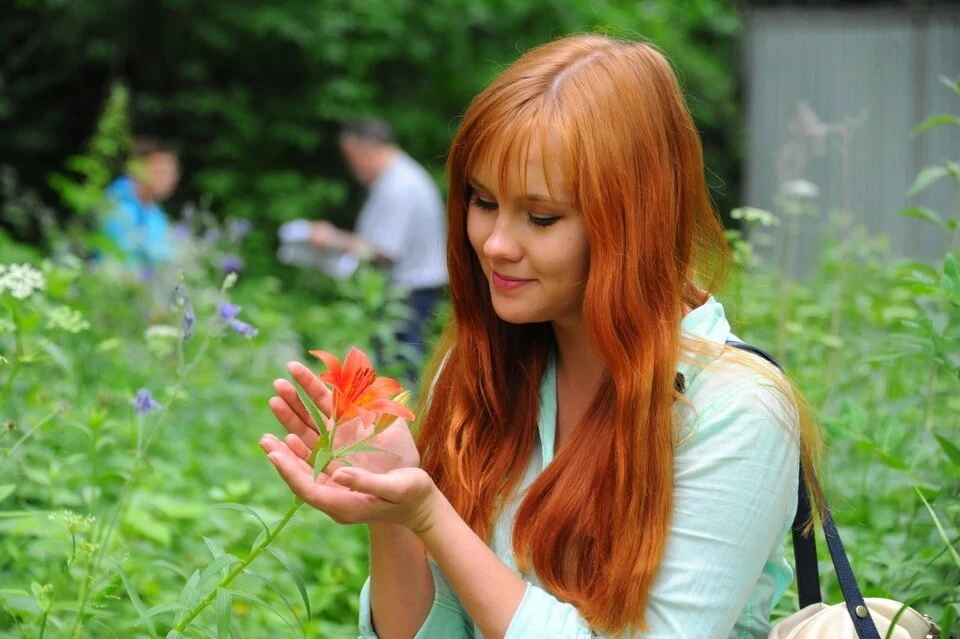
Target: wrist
343 240
432 510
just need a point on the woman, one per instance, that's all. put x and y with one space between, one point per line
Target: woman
591 459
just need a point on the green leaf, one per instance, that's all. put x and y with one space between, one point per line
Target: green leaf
927 176
256 599
923 214
937 120
320 462
138 604
148 526
158 610
243 508
214 547
6 490
951 274
297 577
319 419
951 449
943 533
952 84
224 611
215 566
353 450
187 594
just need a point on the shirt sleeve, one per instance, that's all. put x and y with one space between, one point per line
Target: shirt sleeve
446 619
735 495
386 218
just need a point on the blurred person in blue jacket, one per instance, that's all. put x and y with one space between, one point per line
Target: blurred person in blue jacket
134 220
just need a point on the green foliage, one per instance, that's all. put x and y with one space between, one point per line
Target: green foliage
875 344
252 93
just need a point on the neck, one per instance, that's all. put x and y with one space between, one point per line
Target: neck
386 155
576 359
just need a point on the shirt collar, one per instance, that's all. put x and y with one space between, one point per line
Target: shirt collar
708 323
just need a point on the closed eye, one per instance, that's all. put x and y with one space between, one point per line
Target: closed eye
486 205
539 220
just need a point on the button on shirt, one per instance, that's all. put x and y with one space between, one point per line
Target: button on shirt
405 220
735 497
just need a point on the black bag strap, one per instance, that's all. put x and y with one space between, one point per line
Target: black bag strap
805 546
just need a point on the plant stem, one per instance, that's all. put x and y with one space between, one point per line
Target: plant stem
233 574
30 432
127 490
17 357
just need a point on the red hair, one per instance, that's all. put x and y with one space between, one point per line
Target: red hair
593 526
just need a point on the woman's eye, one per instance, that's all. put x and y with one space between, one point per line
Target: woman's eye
539 220
486 205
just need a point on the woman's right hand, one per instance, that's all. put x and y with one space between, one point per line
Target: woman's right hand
289 410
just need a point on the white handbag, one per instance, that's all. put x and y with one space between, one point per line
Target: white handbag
856 618
820 620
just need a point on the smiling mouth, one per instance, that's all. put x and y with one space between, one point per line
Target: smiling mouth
507 283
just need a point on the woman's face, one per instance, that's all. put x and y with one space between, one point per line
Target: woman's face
532 246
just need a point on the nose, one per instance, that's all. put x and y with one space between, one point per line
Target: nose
502 243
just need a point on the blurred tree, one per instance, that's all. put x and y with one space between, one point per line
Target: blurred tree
252 92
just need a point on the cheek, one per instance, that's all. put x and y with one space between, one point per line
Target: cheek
478 230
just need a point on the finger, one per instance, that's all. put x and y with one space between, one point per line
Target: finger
291 421
344 506
295 408
382 485
296 445
271 445
316 389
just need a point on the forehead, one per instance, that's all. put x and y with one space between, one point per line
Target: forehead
162 159
517 168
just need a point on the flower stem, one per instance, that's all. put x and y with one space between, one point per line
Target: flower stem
17 356
30 432
239 568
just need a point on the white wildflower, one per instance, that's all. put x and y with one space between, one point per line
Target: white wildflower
800 189
3 360
67 319
752 215
21 280
161 339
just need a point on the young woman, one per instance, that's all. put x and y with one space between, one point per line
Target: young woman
591 459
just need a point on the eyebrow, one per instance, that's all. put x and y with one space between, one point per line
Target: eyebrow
531 197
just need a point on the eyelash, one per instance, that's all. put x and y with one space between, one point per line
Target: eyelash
487 205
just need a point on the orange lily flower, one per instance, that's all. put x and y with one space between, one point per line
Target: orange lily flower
357 391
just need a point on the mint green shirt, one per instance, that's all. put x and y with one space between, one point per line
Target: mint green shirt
735 496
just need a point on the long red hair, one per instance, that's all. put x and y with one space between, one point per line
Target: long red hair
594 524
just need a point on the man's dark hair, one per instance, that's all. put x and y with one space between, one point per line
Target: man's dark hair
146 146
369 130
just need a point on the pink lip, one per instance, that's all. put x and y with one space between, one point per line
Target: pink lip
508 283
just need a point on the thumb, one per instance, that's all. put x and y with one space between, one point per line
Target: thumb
380 485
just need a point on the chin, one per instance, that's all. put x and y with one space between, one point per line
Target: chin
516 314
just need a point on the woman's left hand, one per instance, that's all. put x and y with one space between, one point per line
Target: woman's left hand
404 496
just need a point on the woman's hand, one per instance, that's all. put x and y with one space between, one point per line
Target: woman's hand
290 411
403 496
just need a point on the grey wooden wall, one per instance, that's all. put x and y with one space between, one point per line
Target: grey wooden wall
873 73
